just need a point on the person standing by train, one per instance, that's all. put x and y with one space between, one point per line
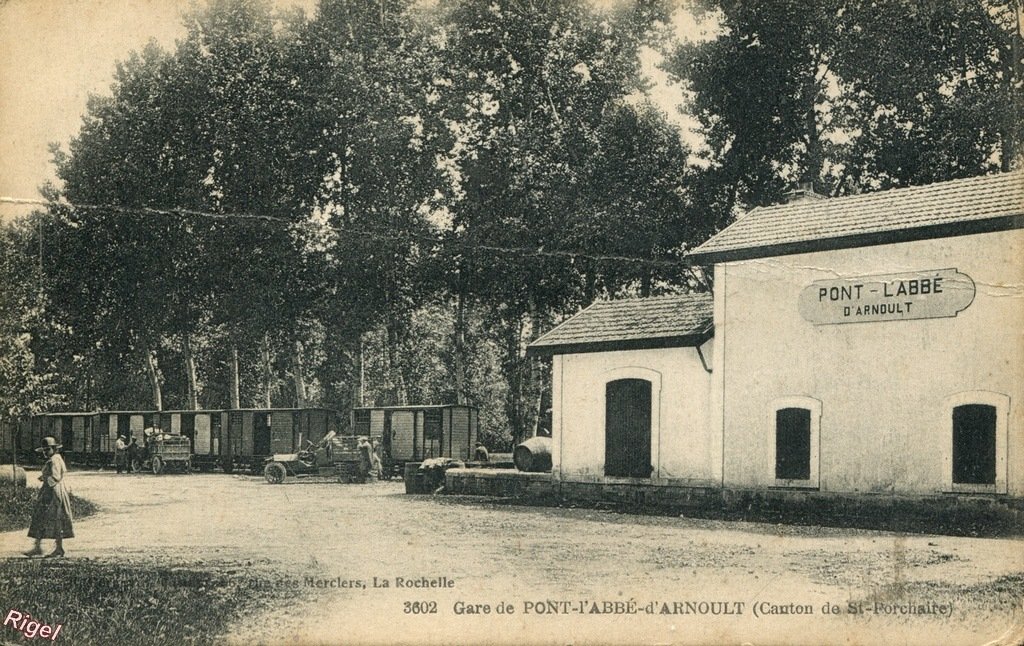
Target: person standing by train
121 455
365 452
134 456
376 457
51 517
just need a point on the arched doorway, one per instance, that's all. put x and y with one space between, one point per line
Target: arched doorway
627 434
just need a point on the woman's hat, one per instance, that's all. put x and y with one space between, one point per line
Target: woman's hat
48 443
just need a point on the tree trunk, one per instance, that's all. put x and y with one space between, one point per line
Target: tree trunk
539 406
646 282
268 372
359 394
514 373
815 154
1008 143
152 370
299 376
396 380
536 384
460 349
236 400
190 374
590 286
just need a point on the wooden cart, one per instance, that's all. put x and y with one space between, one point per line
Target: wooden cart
170 452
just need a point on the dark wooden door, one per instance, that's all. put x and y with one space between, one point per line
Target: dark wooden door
627 432
187 426
386 433
793 444
261 433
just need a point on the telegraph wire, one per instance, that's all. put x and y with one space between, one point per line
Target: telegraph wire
177 211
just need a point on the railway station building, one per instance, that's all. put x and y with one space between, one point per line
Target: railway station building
870 344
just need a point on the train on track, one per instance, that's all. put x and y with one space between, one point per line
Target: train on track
242 439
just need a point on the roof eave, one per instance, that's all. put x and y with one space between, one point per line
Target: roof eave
945 230
649 343
553 330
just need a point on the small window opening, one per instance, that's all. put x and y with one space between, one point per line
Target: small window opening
974 444
362 422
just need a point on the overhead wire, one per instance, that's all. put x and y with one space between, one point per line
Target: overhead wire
438 240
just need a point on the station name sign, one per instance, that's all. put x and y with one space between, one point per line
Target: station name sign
934 293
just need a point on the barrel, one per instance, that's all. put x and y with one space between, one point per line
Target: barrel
11 474
533 455
413 478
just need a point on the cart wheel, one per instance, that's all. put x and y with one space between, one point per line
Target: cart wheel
158 465
227 466
275 473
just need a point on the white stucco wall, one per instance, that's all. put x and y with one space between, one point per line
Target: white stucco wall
683 452
885 388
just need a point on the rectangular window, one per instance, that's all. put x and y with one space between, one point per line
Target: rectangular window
361 419
432 422
974 444
792 444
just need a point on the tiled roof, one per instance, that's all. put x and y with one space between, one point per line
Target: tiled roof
958 207
632 324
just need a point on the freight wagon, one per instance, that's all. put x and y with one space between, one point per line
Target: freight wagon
228 439
202 428
249 436
9 441
415 433
106 426
25 435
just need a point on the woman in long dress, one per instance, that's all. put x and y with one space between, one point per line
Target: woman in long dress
51 517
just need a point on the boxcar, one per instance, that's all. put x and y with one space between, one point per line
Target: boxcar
17 441
28 439
9 441
415 433
107 425
202 428
248 436
72 430
23 436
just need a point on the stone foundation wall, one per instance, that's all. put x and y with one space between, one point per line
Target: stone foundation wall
974 515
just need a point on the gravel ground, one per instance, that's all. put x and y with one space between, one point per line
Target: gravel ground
599 576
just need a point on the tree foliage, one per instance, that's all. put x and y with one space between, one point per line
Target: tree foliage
30 381
855 96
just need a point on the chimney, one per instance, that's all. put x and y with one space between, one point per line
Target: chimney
804 191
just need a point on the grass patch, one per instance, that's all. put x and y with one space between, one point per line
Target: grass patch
111 602
16 505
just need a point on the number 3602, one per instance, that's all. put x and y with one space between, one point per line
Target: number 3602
420 607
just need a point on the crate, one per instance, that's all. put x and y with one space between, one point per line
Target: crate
349 471
173 447
344 448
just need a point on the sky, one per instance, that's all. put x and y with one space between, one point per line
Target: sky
55 53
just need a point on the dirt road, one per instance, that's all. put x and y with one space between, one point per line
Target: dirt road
559 575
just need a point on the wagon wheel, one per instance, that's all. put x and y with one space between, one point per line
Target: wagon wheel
158 465
275 473
227 465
